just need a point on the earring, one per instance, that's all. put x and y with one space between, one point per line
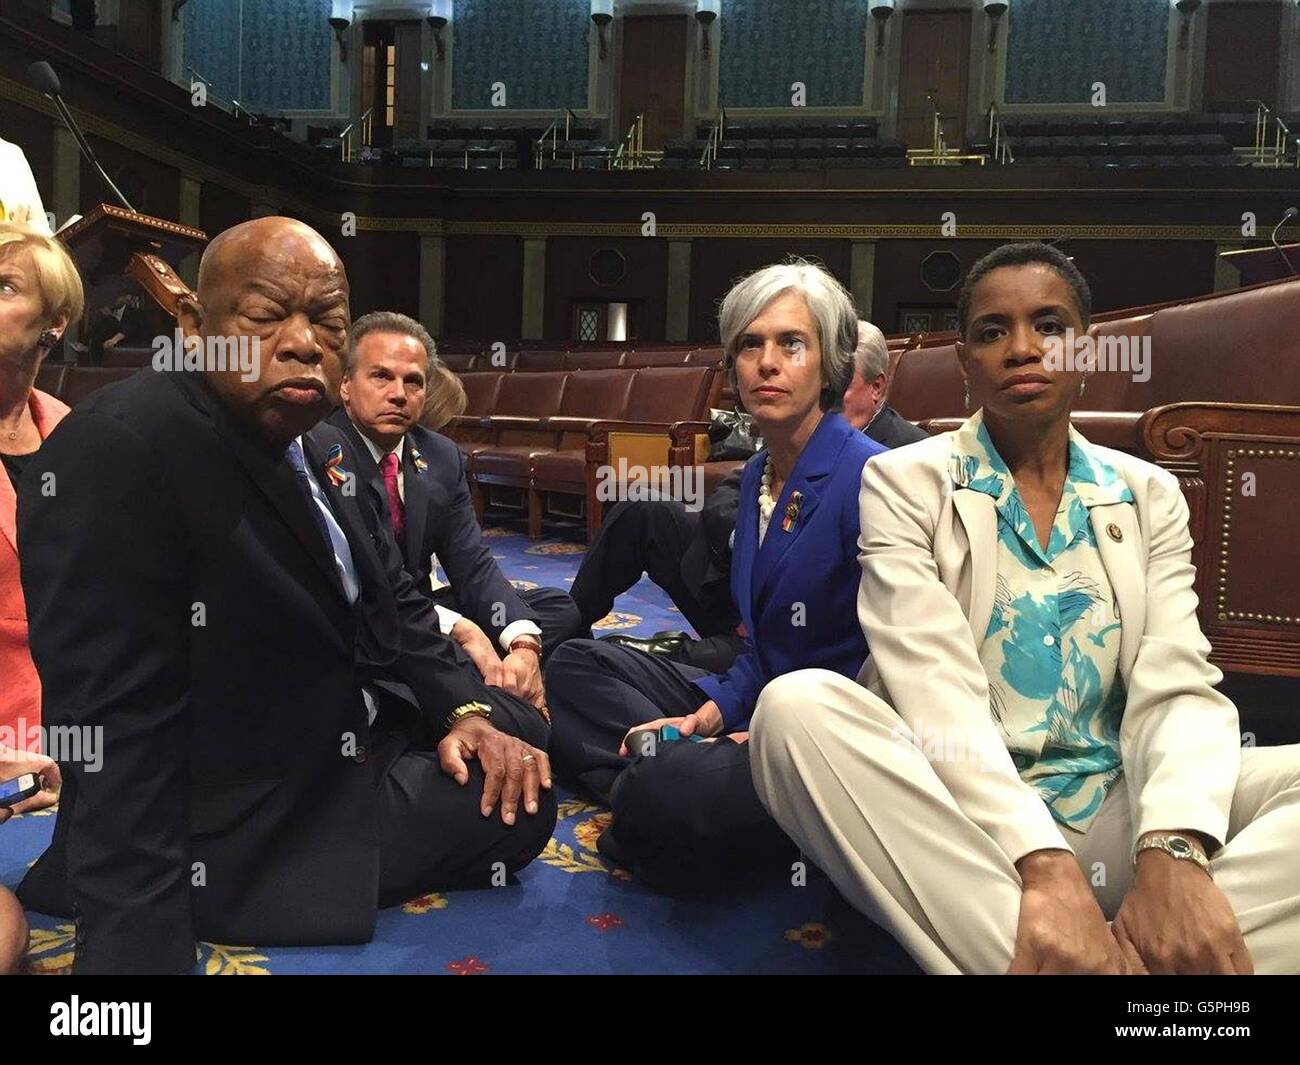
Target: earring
48 338
1082 385
966 395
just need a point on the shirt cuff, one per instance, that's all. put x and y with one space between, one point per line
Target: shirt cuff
446 619
512 632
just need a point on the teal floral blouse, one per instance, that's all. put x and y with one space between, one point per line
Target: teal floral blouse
1052 647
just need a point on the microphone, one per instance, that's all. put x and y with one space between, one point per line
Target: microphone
1287 215
45 80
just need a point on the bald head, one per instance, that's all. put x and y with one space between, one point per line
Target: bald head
274 284
233 250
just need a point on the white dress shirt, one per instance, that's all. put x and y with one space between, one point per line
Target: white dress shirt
447 617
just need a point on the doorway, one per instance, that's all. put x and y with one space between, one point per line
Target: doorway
654 76
935 72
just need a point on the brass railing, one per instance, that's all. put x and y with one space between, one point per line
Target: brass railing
939 154
632 153
1275 146
552 134
347 143
998 137
710 154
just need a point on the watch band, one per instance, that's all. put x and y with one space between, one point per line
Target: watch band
529 641
1174 844
483 710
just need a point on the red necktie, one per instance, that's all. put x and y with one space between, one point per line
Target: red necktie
388 467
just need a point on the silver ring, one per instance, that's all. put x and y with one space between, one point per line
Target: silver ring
528 758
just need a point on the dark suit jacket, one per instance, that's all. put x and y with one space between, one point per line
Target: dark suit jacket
890 428
440 519
814 563
182 599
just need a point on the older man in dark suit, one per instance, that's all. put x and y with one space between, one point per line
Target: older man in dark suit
288 741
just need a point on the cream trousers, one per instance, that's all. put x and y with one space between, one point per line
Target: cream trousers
837 769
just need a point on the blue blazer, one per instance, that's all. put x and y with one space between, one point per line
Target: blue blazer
798 593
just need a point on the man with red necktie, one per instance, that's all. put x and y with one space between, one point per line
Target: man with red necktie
416 478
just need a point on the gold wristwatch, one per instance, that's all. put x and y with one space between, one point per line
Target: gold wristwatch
1174 844
483 710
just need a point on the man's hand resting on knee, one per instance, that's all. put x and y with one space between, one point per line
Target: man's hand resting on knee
1061 927
511 768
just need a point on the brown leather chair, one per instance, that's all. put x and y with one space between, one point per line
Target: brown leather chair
459 362
666 425
539 360
122 355
639 359
594 360
590 396
81 381
469 431
524 402
705 357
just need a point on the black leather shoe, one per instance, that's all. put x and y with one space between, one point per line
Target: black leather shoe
668 644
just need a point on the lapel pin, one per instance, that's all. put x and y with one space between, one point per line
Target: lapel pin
791 511
334 466
420 464
1112 530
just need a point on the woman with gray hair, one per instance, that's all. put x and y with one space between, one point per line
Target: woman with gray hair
665 743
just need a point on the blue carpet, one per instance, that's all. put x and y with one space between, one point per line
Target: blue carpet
570 912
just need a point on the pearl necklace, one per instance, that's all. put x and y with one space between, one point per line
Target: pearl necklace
766 504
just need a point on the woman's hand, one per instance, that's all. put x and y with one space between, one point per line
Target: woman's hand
706 721
1177 920
18 763
1061 927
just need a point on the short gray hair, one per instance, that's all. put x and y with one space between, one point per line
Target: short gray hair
390 322
873 352
828 302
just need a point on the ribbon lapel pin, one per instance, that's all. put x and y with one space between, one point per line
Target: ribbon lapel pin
791 511
334 467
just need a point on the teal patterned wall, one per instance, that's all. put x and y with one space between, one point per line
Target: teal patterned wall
538 48
766 45
211 48
270 55
1057 49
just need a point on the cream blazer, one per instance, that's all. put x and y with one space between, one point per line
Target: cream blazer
929 566
20 200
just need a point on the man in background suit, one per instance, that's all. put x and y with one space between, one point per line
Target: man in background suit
689 554
238 635
416 480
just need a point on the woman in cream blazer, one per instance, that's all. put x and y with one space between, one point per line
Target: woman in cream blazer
1035 746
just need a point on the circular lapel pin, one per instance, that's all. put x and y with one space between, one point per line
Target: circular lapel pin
1113 531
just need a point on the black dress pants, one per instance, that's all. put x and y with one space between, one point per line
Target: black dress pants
687 819
660 539
433 835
